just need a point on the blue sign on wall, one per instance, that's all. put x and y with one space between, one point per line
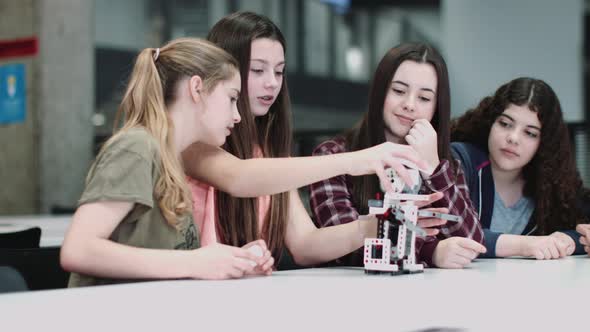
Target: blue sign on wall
13 100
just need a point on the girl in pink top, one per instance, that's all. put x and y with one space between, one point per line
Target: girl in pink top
265 130
204 208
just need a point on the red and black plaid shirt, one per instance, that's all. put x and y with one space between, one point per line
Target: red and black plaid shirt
331 203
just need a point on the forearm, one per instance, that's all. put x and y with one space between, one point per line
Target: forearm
510 245
258 176
329 243
108 259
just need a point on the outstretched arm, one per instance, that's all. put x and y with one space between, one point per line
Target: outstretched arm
310 245
268 176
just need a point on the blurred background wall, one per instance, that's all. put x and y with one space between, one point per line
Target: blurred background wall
44 158
85 50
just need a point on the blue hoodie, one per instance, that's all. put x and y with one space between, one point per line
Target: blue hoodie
478 175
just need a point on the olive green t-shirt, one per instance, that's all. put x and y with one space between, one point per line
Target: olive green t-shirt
127 170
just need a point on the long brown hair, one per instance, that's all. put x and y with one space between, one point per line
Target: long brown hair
152 89
551 177
238 217
370 130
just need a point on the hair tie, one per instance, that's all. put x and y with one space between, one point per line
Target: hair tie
157 54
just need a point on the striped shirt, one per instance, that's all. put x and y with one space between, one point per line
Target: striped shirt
332 204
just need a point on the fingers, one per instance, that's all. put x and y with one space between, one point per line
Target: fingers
245 254
420 132
248 245
551 247
260 261
546 253
587 249
583 229
564 238
562 248
466 255
408 153
400 170
267 267
437 209
553 251
431 231
584 241
417 129
245 265
420 129
430 222
423 126
456 261
460 261
538 254
267 261
383 179
263 263
241 267
452 252
231 273
472 245
415 134
431 199
261 243
412 141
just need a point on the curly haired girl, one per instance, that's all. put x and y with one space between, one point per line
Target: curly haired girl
516 153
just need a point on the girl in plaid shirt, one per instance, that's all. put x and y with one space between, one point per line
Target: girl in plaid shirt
409 103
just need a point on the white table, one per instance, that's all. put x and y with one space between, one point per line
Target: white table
491 295
53 227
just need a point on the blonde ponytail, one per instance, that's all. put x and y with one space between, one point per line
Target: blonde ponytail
151 89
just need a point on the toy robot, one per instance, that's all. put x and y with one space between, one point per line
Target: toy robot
393 250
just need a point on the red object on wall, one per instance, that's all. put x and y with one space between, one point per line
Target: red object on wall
19 47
